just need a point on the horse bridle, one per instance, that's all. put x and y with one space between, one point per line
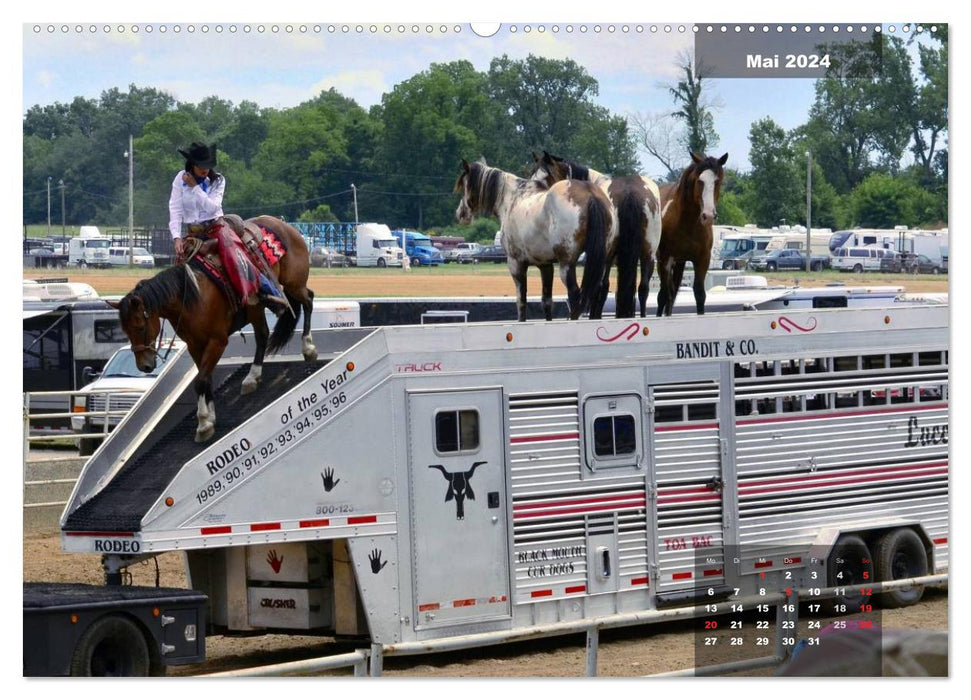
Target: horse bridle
158 342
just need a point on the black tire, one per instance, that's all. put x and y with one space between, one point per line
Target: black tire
816 267
112 646
850 566
770 267
87 446
415 262
727 265
936 271
82 264
858 268
899 554
382 263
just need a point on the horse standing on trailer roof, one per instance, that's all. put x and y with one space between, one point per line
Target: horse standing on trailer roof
542 225
688 210
204 316
636 206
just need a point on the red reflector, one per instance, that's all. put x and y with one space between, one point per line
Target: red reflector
714 572
940 540
261 527
681 576
314 523
639 581
221 530
362 520
463 603
541 594
427 607
763 564
576 589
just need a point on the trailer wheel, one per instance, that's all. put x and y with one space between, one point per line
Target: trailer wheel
111 646
900 554
850 567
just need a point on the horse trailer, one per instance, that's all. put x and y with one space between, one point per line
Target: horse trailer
417 483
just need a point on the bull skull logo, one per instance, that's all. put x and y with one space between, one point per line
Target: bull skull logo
459 487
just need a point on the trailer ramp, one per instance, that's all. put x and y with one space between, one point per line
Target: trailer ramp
124 501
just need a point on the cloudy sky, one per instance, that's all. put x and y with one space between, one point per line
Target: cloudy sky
288 63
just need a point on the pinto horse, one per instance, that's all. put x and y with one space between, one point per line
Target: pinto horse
543 225
636 207
688 210
201 315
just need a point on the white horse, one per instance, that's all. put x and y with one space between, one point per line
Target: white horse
542 225
636 207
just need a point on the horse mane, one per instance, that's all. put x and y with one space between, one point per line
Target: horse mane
157 291
488 184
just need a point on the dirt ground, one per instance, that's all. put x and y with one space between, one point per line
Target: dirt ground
628 652
464 280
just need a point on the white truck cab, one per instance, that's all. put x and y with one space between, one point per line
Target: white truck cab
377 247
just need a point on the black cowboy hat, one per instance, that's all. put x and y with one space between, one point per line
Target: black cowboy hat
200 154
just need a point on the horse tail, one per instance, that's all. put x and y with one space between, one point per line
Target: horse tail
629 245
285 326
595 247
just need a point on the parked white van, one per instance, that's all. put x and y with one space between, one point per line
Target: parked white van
119 255
859 258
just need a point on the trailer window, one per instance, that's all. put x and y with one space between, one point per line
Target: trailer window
456 431
109 331
614 436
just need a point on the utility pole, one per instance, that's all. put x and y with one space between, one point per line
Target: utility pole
131 197
354 189
60 183
809 208
48 206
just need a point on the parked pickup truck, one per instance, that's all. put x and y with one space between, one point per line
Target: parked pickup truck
787 259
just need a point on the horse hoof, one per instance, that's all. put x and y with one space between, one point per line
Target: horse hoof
204 434
248 388
310 353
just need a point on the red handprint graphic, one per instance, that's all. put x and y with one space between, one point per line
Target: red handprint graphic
274 561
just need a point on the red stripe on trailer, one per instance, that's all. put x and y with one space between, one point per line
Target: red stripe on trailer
857 477
697 426
464 603
427 607
849 414
639 581
763 564
262 527
221 530
940 540
682 575
314 523
98 533
362 520
541 594
544 438
714 572
576 589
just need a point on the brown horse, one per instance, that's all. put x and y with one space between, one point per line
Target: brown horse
637 208
204 318
688 210
544 225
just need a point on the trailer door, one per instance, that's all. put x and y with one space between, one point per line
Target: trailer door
458 504
687 457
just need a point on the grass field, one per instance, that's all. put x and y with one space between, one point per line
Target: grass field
487 279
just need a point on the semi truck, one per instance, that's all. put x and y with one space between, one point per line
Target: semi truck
535 473
419 248
89 248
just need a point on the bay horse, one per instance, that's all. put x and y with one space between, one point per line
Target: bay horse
201 315
543 225
688 210
636 203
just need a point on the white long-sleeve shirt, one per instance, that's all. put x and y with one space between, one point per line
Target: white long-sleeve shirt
191 205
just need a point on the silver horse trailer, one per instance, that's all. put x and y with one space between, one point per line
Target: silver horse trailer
422 482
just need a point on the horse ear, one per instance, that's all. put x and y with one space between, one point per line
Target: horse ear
535 157
112 303
723 159
696 158
465 165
